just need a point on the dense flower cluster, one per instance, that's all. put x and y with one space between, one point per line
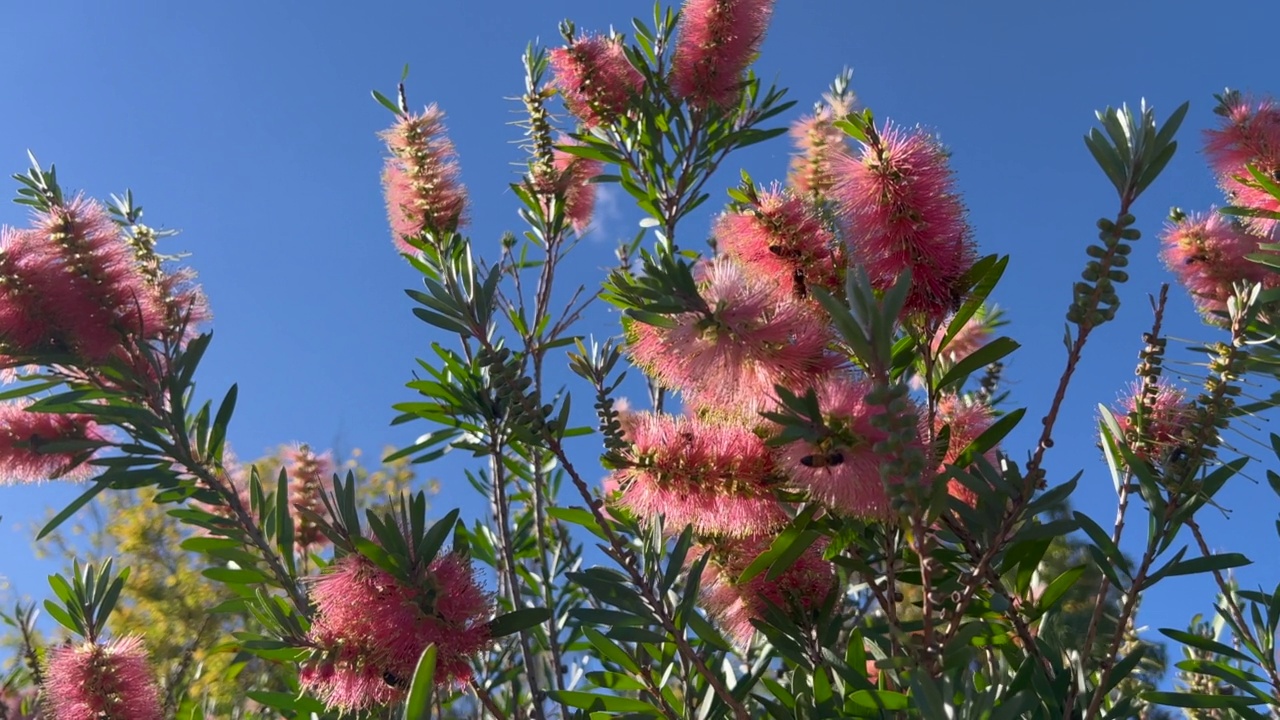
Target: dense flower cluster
1153 423
803 587
1249 137
371 627
310 476
595 78
104 682
421 178
24 435
75 285
718 39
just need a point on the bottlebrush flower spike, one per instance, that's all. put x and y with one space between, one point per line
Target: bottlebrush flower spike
1250 135
717 41
782 241
1208 253
371 628
819 142
1165 415
23 433
802 587
967 421
732 359
101 295
573 181
101 682
595 78
310 476
901 212
714 476
420 178
26 267
843 472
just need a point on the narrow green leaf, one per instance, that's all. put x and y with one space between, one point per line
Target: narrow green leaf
418 705
517 620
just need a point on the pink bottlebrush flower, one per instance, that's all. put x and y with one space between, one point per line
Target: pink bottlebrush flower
310 476
420 178
1165 415
802 588
26 267
714 476
732 359
819 143
595 78
782 240
22 435
186 306
967 421
842 473
573 180
901 212
718 39
371 627
1209 253
107 682
1250 135
102 295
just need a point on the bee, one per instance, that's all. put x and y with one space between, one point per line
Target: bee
392 679
797 279
831 459
1197 258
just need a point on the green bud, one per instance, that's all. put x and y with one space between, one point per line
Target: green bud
1131 233
1096 251
1118 276
1105 224
1127 219
1119 261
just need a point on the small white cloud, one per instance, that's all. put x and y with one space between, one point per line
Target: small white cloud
607 213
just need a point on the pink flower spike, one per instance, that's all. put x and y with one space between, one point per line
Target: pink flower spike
718 39
732 359
595 78
783 241
101 296
844 472
420 178
310 476
1166 415
371 627
112 682
818 142
26 267
1249 135
716 477
967 421
574 176
901 212
1208 253
803 587
22 434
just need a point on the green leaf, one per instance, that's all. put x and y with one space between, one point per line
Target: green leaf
602 703
517 620
1208 563
385 102
59 613
1187 700
980 358
1059 587
434 538
102 484
218 434
792 534
418 705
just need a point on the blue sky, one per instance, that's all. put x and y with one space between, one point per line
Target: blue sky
249 127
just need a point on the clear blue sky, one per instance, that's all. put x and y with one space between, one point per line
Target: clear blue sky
249 127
